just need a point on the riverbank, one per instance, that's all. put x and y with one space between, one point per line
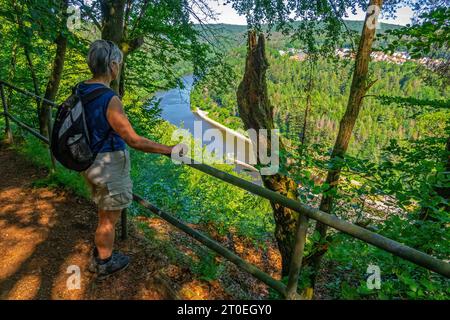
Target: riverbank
248 143
204 115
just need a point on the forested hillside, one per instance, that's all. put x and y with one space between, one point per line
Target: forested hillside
380 121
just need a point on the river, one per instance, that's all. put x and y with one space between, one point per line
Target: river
176 109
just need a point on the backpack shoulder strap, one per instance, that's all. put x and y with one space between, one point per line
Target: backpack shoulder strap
91 96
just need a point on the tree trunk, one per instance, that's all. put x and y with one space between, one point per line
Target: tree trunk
34 79
122 76
308 106
113 14
358 90
56 73
443 191
115 29
257 113
53 82
12 73
26 51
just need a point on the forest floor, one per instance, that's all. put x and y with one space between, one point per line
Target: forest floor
46 231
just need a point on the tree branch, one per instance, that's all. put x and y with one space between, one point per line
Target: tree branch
90 13
139 18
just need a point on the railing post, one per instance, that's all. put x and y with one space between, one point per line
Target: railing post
123 224
297 257
8 132
49 129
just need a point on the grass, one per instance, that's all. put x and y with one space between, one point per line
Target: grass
38 154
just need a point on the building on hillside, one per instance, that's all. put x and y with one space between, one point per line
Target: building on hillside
301 56
294 54
344 53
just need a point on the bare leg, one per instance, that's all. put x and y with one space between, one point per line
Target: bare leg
105 233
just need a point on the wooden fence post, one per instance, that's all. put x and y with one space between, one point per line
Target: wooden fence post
50 130
123 223
297 257
8 132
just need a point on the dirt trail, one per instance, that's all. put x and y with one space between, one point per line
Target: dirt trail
44 231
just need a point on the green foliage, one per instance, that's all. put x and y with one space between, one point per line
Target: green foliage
399 279
414 102
428 38
38 154
207 268
422 39
318 28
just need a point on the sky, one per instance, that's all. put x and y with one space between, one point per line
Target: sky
228 15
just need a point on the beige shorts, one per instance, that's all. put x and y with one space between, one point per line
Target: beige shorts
109 180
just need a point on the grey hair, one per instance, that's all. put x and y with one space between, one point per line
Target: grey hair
100 56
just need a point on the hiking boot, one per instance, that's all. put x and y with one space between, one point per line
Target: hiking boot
118 262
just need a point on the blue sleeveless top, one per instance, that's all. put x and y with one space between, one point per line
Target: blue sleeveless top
97 123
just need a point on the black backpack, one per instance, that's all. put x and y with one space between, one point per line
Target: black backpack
70 143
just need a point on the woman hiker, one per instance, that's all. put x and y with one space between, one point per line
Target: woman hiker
109 175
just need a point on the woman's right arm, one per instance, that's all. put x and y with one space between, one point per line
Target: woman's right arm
120 123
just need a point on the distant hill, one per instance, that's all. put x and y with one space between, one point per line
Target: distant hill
232 35
352 25
357 26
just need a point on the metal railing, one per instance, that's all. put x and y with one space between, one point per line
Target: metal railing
305 212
